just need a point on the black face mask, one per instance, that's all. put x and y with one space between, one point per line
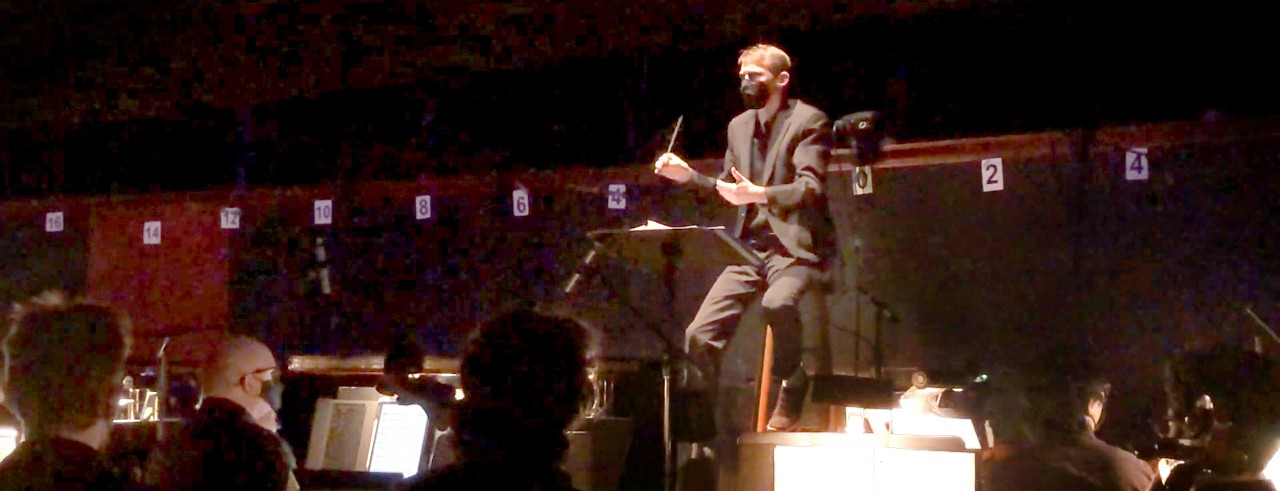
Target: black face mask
273 392
754 94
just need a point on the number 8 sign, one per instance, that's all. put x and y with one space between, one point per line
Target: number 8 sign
422 207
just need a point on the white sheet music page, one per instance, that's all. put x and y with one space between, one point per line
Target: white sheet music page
652 225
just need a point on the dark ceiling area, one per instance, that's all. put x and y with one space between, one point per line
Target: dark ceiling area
113 93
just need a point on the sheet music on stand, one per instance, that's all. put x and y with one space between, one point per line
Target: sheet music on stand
654 243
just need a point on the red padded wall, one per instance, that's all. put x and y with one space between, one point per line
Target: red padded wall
177 286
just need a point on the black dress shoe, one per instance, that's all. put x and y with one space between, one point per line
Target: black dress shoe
786 413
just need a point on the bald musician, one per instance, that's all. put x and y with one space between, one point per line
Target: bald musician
231 442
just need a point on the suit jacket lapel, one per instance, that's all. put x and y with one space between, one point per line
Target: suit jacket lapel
744 150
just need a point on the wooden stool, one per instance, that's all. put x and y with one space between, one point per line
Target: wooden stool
762 385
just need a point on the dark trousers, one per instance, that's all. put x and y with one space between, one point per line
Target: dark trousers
784 280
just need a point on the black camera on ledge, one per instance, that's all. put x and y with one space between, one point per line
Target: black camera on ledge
863 132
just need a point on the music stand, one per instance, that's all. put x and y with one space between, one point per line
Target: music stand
658 245
661 248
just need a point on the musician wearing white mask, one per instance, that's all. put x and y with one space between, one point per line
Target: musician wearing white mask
231 442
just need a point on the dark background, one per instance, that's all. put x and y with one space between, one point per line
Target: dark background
104 96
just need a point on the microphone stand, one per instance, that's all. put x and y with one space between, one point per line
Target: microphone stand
877 347
587 266
877 341
162 395
1261 324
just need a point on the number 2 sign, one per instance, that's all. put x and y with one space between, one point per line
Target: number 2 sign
992 175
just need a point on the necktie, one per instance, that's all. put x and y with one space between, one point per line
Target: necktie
759 145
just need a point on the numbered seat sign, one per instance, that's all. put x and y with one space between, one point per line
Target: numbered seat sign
53 222
520 203
422 207
1136 165
151 232
324 212
992 175
617 196
862 183
230 218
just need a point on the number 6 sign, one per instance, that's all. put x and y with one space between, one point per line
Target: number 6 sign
520 202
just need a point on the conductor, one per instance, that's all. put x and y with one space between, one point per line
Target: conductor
773 172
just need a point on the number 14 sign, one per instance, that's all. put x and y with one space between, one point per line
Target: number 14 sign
151 232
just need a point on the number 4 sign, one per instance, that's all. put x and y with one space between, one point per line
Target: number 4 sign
1136 165
617 196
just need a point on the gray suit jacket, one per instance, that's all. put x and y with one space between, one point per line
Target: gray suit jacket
793 175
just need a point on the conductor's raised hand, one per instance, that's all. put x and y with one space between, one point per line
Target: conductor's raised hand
671 166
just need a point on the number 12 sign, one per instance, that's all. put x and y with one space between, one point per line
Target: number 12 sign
229 218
